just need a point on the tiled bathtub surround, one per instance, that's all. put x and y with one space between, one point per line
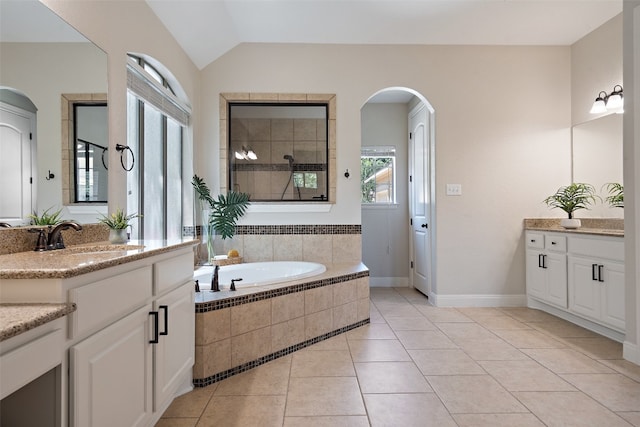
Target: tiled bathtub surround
238 331
325 244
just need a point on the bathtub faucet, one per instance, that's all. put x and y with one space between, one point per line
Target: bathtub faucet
215 286
233 283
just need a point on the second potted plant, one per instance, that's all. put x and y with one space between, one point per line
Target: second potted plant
118 222
570 199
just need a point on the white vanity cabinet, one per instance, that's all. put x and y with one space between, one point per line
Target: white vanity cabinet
140 350
578 277
596 280
546 267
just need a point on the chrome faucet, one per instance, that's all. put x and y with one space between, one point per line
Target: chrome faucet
54 239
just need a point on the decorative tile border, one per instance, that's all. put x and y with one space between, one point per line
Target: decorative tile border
203 382
203 307
314 167
287 229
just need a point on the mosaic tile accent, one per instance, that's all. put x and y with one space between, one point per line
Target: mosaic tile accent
243 167
292 229
204 307
203 382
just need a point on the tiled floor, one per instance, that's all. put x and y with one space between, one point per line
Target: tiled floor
418 365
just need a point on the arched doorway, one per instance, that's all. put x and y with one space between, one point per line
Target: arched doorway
397 178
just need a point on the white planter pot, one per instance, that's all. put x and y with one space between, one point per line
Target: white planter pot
118 235
570 223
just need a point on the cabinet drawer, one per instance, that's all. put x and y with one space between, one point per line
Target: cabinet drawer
555 243
105 301
534 240
611 248
171 273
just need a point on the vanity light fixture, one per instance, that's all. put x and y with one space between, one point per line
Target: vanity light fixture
612 102
246 154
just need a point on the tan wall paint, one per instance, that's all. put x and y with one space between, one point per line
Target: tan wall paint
497 134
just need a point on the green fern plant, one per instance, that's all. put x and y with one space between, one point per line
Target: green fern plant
225 210
572 198
46 218
616 195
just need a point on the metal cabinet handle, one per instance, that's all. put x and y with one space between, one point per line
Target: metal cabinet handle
155 339
601 273
540 261
594 271
166 319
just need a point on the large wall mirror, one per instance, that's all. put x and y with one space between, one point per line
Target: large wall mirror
597 159
44 58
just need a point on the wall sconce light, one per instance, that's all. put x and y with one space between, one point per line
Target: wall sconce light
246 154
612 102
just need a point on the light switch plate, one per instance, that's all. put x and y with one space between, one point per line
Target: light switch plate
454 189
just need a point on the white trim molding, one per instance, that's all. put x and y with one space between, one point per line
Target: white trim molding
631 352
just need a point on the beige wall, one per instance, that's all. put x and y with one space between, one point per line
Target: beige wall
497 134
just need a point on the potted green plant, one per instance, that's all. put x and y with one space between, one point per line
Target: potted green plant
570 199
616 195
46 218
221 214
118 222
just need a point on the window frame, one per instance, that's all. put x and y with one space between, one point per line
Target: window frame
373 152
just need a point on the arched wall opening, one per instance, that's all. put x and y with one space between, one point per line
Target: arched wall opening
388 240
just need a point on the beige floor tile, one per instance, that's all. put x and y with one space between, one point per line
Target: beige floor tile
632 417
476 312
614 391
372 331
478 394
413 296
244 411
375 316
566 361
525 314
177 422
443 314
525 375
191 404
625 367
597 347
416 323
403 309
378 351
464 330
391 377
569 408
324 396
339 342
497 420
269 379
492 348
330 363
563 329
417 340
344 421
529 339
420 409
445 362
500 322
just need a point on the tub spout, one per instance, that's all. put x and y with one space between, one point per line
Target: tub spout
233 283
215 285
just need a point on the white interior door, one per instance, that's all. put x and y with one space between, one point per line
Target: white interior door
16 198
419 199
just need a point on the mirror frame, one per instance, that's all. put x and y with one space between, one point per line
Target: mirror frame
285 98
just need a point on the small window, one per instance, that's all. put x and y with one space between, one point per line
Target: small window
378 175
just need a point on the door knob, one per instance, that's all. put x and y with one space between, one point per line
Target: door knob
424 226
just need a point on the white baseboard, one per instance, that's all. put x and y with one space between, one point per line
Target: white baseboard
478 300
388 282
631 352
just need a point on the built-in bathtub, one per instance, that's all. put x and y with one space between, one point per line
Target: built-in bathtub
238 330
258 273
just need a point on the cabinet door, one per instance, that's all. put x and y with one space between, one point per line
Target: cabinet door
556 271
111 375
584 288
536 277
613 294
174 354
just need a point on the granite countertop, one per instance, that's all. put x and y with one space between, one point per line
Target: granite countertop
18 318
82 259
595 226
